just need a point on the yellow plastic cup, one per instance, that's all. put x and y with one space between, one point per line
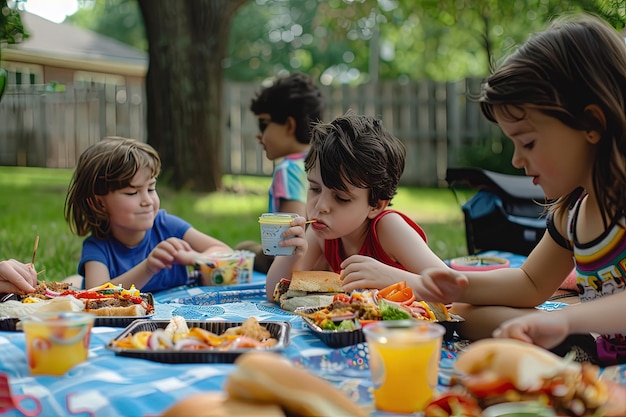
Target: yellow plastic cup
56 342
404 362
273 225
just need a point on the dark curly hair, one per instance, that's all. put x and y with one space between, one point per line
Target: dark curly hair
292 96
357 150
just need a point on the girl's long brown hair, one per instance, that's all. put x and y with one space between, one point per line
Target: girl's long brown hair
578 61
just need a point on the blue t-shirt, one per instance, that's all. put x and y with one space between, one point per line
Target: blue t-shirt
119 258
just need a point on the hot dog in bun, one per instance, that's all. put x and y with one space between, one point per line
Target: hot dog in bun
493 371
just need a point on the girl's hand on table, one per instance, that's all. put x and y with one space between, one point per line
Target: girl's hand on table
440 285
17 277
545 329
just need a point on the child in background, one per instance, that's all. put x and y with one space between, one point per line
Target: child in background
285 111
354 168
17 277
560 98
112 198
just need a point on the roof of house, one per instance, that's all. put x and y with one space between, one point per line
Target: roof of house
66 45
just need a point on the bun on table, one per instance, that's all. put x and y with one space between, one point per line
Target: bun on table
267 384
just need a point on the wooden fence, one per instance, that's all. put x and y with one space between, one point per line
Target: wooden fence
435 121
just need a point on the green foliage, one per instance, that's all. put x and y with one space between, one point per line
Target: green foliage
11 27
117 19
494 154
354 41
32 199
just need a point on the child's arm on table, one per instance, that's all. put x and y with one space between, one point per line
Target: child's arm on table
547 329
527 286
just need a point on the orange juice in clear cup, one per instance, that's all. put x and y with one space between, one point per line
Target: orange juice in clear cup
56 342
404 362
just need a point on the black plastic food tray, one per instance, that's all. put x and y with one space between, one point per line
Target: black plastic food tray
278 330
336 338
123 321
10 323
342 338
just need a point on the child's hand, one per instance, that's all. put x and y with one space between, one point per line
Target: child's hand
187 257
166 254
295 236
440 285
17 277
359 271
544 329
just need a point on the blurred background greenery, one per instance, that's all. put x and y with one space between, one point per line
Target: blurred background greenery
32 200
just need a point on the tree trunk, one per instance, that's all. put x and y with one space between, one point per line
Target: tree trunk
186 45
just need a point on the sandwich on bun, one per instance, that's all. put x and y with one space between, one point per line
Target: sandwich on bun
308 289
494 371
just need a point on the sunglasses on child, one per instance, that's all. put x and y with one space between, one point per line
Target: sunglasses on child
263 124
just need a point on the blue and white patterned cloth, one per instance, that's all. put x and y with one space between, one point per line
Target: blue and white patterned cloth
107 385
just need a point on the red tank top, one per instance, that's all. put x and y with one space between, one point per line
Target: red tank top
371 247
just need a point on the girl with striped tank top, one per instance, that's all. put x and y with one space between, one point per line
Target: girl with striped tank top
560 98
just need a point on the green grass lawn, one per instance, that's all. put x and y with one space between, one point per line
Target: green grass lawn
32 199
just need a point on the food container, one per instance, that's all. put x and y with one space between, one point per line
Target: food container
123 321
342 338
478 263
335 338
10 324
278 330
273 225
224 268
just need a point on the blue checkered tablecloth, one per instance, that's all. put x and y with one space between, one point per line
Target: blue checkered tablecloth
107 385
113 386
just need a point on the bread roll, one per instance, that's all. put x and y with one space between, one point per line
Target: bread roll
316 281
135 310
268 378
216 404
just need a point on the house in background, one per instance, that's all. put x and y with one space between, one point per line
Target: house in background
68 88
69 55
